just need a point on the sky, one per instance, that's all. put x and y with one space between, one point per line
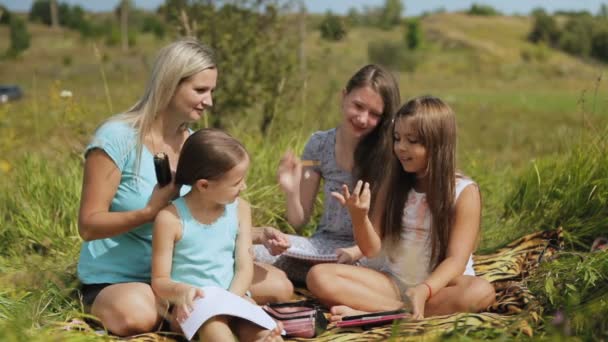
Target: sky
412 7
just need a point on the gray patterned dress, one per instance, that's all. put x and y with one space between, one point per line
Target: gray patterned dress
335 228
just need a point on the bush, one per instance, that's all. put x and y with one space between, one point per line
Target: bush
41 12
332 28
151 24
5 16
392 55
20 37
539 53
576 36
354 18
482 10
72 17
575 44
413 36
599 45
390 14
544 29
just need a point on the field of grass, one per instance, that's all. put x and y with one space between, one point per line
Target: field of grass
530 132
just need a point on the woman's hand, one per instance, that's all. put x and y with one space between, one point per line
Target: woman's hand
348 255
161 197
358 202
289 173
274 240
417 296
183 305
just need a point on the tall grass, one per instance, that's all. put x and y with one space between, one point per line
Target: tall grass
504 122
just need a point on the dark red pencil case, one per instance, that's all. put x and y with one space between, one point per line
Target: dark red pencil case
372 319
299 319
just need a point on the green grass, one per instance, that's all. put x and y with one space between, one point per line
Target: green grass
529 134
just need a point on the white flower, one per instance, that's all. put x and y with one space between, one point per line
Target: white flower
65 93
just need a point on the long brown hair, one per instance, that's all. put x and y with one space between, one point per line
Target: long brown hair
436 129
374 149
208 154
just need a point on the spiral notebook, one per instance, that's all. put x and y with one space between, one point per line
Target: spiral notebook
314 250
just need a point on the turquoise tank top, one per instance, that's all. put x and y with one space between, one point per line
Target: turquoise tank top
205 254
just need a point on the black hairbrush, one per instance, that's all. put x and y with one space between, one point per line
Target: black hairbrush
162 169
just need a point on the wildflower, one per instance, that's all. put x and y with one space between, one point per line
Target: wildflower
65 93
5 166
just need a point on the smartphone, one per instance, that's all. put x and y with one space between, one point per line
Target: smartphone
375 314
162 169
372 319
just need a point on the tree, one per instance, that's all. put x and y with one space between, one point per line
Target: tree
256 49
354 17
391 14
41 12
5 16
413 36
599 45
482 10
124 24
332 27
20 37
544 29
54 14
603 12
577 35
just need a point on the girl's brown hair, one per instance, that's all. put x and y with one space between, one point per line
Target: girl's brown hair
435 123
374 149
208 154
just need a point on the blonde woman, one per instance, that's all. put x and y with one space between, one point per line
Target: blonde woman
120 198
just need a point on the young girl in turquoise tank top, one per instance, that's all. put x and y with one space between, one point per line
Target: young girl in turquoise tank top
204 238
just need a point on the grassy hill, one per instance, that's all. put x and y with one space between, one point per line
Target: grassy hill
529 120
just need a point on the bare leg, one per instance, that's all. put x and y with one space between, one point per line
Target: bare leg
353 289
463 294
270 284
127 309
247 331
216 329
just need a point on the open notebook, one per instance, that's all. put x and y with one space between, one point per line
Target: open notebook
217 301
313 250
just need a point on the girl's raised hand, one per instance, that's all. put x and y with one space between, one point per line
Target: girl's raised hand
183 307
358 202
289 172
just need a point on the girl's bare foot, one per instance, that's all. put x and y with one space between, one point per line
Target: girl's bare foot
339 311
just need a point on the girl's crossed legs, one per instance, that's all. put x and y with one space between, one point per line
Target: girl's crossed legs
352 290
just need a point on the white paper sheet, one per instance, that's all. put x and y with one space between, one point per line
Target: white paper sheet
217 301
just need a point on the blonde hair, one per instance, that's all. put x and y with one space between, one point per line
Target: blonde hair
174 63
435 124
